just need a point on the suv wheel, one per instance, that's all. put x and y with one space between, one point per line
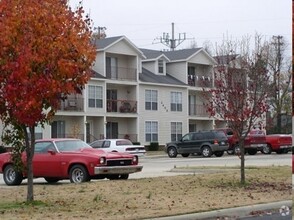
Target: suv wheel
252 151
219 153
206 151
172 152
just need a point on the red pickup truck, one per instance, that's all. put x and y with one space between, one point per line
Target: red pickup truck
279 143
254 142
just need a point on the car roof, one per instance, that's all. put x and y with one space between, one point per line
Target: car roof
56 139
120 139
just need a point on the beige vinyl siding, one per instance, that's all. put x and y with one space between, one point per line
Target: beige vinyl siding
177 70
163 115
201 58
99 65
122 48
150 66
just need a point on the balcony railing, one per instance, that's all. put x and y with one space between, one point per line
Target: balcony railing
121 73
122 106
198 110
199 81
72 104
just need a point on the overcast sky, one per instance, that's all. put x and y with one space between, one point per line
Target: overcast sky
145 21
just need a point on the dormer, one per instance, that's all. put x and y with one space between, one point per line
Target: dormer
155 61
118 59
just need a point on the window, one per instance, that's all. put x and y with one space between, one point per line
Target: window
160 66
151 100
95 99
58 129
111 67
151 131
176 101
43 147
176 131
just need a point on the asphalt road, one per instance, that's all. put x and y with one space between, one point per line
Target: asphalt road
162 165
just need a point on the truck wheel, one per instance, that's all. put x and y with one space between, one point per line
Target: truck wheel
230 152
237 150
219 153
78 174
252 151
172 152
206 151
267 149
185 155
11 176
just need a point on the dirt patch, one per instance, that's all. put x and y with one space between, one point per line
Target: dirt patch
150 197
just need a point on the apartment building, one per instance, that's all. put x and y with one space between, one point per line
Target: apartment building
140 94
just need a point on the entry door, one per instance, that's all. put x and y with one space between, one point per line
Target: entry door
192 105
58 129
112 130
111 100
111 68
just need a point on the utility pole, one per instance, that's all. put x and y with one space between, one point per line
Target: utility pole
100 34
278 43
172 43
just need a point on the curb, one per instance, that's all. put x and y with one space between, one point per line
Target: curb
238 212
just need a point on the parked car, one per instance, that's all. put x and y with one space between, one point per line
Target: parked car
279 143
73 159
205 143
254 141
119 145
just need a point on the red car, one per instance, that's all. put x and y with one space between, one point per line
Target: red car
255 141
73 159
279 143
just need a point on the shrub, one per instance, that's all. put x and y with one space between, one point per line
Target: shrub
154 146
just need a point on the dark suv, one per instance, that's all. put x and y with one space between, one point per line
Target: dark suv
204 143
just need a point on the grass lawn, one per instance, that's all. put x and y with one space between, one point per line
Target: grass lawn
149 197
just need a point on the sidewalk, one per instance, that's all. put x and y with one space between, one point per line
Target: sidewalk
235 213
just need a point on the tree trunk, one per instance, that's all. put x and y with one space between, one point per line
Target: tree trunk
242 148
30 148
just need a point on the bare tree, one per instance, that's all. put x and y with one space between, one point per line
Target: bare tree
280 68
240 93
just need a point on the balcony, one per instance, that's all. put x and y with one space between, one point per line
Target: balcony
72 104
122 106
121 73
200 81
198 110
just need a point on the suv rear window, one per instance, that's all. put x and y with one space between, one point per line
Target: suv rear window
220 134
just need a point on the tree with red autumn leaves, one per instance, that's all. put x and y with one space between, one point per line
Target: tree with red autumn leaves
239 96
45 55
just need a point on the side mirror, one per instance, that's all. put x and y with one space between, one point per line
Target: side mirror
52 152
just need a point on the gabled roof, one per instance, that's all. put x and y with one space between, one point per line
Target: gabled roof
153 54
184 54
147 76
187 54
104 44
95 74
